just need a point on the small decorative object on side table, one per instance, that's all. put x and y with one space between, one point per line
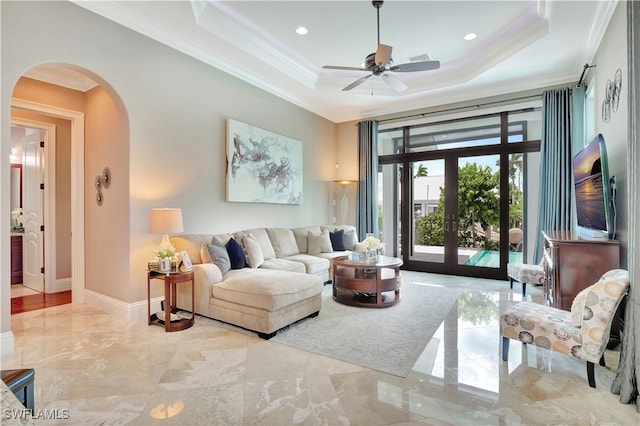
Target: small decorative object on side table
171 279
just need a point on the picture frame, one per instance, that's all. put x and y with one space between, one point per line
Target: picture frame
185 263
262 166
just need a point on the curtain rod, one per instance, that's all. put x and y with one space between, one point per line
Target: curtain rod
478 106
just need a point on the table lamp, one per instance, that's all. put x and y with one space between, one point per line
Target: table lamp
165 221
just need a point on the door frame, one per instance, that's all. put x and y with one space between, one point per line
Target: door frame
77 187
450 264
404 157
49 199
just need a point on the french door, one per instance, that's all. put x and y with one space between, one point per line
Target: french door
452 197
460 232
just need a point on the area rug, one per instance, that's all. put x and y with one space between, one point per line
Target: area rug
387 339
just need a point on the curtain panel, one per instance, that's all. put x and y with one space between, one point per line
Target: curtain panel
625 383
367 205
559 123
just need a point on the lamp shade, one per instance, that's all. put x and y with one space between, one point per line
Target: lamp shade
345 182
165 221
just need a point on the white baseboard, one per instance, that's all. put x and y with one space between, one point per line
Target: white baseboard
6 343
120 309
59 285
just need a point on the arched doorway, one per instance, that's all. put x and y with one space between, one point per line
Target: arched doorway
64 92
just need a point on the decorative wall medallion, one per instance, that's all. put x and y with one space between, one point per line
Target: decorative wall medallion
100 182
617 88
611 100
106 177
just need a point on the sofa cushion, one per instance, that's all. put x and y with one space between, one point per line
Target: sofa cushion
260 234
337 240
283 241
212 253
266 289
350 239
221 239
302 237
312 264
350 234
253 251
333 255
191 243
283 265
236 254
319 243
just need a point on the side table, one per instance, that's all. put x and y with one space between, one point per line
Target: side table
374 283
171 279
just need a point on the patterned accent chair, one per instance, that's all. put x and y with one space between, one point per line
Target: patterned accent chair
582 333
526 273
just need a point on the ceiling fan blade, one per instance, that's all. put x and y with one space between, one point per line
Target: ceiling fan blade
416 66
383 54
394 82
332 67
357 83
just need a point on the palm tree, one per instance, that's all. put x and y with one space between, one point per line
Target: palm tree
422 171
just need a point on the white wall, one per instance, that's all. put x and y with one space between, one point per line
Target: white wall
611 55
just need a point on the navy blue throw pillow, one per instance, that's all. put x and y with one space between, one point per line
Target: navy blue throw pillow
337 240
236 254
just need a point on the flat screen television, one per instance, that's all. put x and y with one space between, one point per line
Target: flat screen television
593 191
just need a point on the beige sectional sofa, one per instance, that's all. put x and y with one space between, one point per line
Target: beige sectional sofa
282 284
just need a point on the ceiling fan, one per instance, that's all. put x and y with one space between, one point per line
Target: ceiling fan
380 63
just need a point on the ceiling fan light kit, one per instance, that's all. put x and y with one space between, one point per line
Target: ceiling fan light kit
380 63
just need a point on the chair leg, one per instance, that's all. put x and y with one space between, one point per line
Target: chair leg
590 374
511 283
505 348
524 290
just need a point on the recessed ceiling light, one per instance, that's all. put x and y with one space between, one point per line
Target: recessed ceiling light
302 30
470 36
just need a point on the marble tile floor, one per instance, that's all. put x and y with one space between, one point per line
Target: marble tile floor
97 369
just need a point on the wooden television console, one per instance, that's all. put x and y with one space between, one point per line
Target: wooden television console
572 263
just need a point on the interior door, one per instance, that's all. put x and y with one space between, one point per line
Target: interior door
33 210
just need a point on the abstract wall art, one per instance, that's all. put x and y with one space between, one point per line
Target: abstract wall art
262 167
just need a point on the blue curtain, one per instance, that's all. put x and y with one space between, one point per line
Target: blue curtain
625 383
561 124
367 206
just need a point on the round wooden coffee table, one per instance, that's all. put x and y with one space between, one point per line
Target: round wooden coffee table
371 283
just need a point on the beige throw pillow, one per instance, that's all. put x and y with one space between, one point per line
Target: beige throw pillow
320 243
253 251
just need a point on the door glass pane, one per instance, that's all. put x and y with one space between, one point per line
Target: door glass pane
525 126
516 207
478 217
389 202
390 142
455 134
427 238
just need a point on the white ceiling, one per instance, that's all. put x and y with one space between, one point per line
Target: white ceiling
521 45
